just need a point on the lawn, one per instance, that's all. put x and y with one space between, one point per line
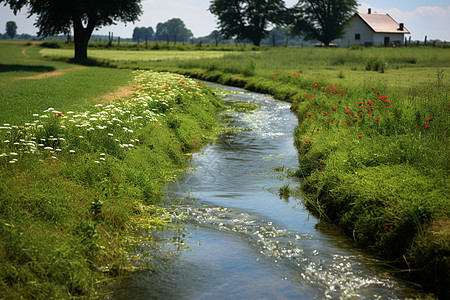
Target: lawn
77 89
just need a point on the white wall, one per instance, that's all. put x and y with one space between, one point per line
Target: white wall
367 35
357 26
379 38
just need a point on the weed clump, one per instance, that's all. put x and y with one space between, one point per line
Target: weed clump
376 64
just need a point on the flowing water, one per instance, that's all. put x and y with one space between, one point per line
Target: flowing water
245 242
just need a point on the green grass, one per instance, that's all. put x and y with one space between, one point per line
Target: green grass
74 190
372 140
381 173
137 56
76 89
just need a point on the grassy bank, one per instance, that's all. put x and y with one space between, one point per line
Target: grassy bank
372 140
76 184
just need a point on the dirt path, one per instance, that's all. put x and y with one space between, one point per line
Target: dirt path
24 50
122 92
51 74
48 74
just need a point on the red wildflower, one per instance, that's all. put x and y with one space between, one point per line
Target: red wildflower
429 119
347 111
426 126
360 136
360 103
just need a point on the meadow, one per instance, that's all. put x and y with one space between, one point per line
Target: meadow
73 186
372 140
136 56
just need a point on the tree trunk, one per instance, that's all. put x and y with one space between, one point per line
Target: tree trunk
81 36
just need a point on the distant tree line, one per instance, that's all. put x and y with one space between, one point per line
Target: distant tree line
174 30
279 36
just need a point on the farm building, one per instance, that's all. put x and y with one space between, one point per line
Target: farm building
374 30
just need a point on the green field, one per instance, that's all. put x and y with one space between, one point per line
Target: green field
372 140
137 56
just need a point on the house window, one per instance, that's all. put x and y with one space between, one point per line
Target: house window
357 36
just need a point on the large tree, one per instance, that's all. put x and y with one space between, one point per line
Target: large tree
59 16
322 20
247 19
11 29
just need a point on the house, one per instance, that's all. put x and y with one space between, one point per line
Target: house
374 30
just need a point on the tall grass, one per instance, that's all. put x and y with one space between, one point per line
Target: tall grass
373 146
377 165
76 185
372 141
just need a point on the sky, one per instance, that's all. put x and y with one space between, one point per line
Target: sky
422 18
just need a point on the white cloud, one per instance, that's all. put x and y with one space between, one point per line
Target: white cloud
433 11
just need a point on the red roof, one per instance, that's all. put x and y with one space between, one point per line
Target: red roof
382 23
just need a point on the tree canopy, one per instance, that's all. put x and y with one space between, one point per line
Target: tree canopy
143 34
247 19
59 16
11 29
322 20
173 30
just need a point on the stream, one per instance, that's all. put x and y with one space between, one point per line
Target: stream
242 240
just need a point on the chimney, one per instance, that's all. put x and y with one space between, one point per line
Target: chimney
401 27
370 11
